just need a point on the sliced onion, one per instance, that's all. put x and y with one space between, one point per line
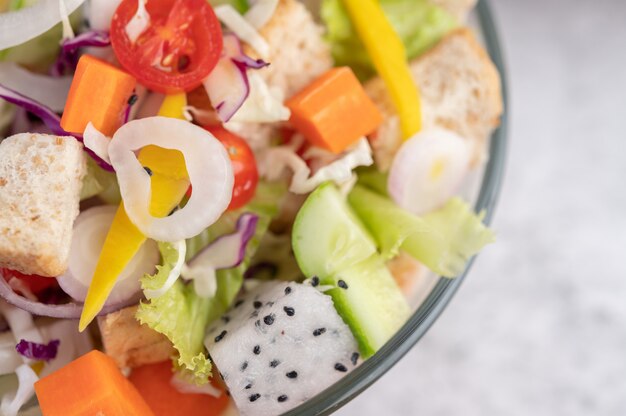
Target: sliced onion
49 91
90 231
21 322
49 117
97 142
13 402
68 58
263 105
181 248
428 170
340 171
225 252
234 21
66 311
208 165
9 358
261 12
100 13
20 26
179 383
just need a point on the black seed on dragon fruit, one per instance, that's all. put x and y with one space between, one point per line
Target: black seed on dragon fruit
285 359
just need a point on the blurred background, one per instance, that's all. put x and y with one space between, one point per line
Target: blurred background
539 326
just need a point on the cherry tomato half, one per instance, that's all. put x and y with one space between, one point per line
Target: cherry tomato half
35 284
178 49
244 166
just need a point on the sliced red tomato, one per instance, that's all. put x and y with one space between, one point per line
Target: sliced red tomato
178 49
36 284
244 166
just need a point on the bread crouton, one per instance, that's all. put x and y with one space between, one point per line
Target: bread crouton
298 53
40 182
460 91
130 343
457 8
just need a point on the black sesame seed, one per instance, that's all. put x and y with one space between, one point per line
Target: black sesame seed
257 304
274 363
239 303
342 284
256 350
289 311
244 365
220 336
226 319
133 99
341 367
315 281
354 358
282 399
318 332
255 397
269 319
292 374
287 291
248 387
148 170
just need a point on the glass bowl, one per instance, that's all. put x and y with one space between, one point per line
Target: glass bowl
432 303
435 292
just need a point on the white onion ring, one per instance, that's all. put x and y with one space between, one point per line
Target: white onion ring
90 231
208 165
97 142
23 25
261 12
234 21
49 91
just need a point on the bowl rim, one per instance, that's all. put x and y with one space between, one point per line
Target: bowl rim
346 389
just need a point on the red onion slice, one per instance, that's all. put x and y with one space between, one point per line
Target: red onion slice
49 91
90 231
223 253
428 169
208 165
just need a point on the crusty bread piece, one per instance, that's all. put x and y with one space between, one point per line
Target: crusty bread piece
298 53
460 91
40 182
457 8
130 343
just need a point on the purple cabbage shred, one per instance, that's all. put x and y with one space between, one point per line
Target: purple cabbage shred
39 352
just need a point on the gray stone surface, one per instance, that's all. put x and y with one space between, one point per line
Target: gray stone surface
539 327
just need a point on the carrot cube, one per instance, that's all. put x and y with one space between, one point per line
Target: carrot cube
334 111
90 385
99 94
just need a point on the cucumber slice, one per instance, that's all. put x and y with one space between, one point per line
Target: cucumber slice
330 242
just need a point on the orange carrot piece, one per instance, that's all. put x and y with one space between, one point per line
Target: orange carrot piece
99 93
334 111
153 383
90 385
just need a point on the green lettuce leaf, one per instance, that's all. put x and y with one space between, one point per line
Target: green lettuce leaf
241 6
443 240
419 24
97 181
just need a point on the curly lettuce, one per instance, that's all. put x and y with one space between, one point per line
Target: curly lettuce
443 240
419 24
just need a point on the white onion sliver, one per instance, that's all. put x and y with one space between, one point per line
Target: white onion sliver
68 32
13 402
90 231
264 104
208 165
184 387
181 248
20 26
227 87
21 323
429 169
97 142
9 358
138 23
261 12
50 91
243 29
101 12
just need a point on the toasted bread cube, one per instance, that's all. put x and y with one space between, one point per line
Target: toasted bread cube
130 343
40 182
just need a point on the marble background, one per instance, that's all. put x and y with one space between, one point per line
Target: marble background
539 327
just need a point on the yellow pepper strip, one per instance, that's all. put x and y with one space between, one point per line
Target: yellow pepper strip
387 52
169 182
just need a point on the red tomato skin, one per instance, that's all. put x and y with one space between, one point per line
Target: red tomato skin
36 284
207 36
244 166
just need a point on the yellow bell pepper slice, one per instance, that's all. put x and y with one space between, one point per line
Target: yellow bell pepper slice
388 55
169 182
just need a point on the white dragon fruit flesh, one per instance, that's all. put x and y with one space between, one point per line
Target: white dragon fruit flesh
280 345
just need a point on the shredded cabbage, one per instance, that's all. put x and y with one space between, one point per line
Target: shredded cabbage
419 23
443 240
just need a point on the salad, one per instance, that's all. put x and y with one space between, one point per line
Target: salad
212 207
